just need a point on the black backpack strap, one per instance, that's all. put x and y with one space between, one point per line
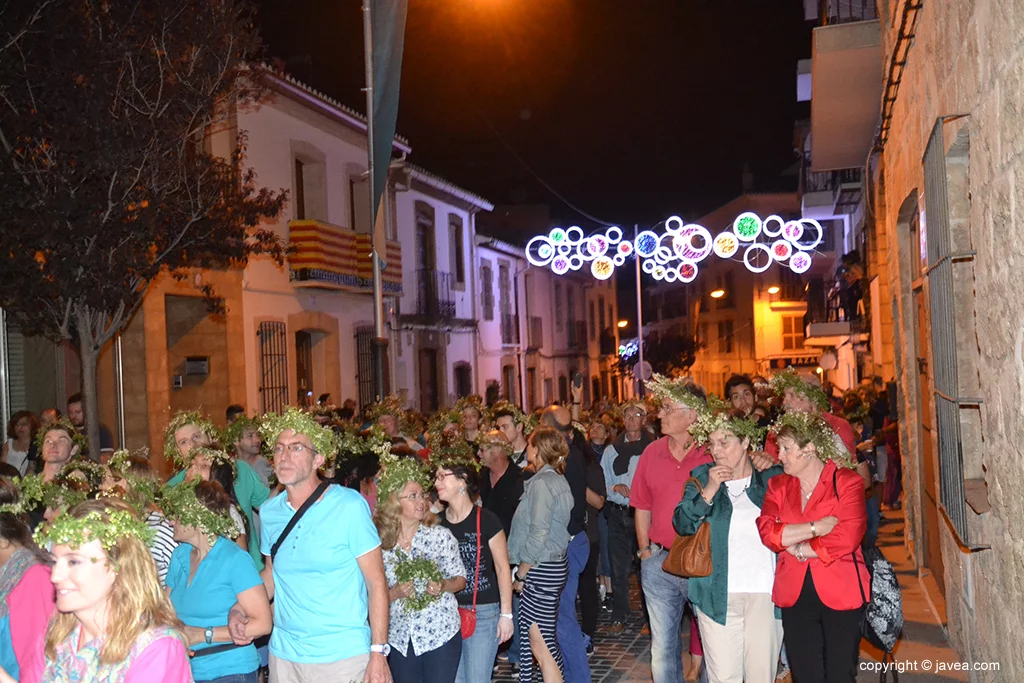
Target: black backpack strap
856 565
297 516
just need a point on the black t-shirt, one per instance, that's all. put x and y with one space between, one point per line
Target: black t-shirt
465 534
576 477
596 483
503 498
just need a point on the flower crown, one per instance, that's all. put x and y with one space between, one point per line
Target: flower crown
75 532
527 422
31 493
396 472
450 449
494 439
215 455
439 421
78 481
61 424
181 419
180 503
389 405
816 430
142 491
789 379
474 401
322 438
677 390
233 431
709 422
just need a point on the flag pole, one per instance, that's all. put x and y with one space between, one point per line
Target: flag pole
380 342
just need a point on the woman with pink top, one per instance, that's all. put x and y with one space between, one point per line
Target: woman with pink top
26 594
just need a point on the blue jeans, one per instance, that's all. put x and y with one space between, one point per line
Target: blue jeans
666 599
436 666
251 677
513 648
570 635
479 650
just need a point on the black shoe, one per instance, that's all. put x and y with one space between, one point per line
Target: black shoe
607 604
590 648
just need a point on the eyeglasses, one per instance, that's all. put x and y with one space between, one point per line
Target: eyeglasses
637 415
440 476
415 496
295 448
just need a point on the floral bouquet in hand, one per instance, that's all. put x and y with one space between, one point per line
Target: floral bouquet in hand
419 571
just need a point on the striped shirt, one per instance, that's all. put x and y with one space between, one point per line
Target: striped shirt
163 544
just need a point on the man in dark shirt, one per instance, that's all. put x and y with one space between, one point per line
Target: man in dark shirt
76 413
501 480
570 636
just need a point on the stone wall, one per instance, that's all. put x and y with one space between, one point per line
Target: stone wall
965 67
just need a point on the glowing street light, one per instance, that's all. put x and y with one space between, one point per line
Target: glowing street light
718 294
623 324
774 289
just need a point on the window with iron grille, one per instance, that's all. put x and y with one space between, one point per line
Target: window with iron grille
273 341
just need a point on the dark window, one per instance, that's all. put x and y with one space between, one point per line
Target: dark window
558 306
457 254
592 321
300 191
601 320
563 389
725 336
487 291
304 367
273 338
463 380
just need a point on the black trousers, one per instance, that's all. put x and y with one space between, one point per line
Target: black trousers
622 553
823 644
587 591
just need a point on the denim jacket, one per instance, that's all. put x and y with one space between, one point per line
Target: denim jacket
540 526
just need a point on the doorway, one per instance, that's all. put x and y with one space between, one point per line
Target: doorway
304 367
429 392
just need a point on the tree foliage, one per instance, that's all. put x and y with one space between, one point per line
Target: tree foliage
106 176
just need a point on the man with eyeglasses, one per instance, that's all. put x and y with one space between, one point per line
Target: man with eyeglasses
619 462
317 639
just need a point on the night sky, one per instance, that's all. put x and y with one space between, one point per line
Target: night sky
632 110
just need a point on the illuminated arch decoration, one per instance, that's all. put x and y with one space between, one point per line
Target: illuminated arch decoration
675 254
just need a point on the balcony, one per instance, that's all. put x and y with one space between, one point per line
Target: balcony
509 329
829 194
832 317
434 294
325 256
846 76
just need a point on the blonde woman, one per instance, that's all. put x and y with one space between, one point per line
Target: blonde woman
116 624
426 643
539 546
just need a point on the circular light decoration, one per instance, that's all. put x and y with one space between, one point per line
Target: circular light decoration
648 266
564 248
781 250
663 255
560 265
646 244
625 248
539 251
575 262
671 275
684 247
673 224
769 223
747 226
803 229
602 268
793 231
800 262
726 245
688 272
619 260
597 246
755 248
613 235
658 272
557 235
574 234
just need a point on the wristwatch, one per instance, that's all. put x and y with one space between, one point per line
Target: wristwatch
642 550
508 616
209 635
384 649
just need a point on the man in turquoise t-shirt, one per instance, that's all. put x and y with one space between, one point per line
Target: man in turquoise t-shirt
327 580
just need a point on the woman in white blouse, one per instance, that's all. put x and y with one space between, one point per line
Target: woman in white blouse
426 644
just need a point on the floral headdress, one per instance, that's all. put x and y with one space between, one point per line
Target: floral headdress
142 491
474 401
231 433
665 389
440 420
710 422
389 405
450 450
180 503
816 430
322 438
181 419
634 404
78 481
352 443
75 532
31 492
494 439
396 472
214 455
789 379
528 422
61 424
860 410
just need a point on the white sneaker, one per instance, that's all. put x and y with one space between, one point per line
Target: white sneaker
602 591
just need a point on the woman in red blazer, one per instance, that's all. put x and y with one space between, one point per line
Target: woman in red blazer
814 517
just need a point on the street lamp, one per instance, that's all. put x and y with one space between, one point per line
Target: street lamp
623 324
718 293
774 289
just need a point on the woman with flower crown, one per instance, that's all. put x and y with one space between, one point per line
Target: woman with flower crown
740 633
424 571
207 576
116 624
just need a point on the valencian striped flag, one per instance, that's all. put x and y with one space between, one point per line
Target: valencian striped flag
388 35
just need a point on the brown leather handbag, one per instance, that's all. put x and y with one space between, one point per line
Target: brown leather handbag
690 556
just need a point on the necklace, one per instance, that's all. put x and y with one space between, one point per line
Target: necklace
738 495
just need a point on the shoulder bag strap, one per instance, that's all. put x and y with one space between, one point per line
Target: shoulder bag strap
297 516
476 577
856 565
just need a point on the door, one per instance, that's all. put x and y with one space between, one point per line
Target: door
304 367
428 381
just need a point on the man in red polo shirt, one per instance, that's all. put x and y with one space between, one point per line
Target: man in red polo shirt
661 475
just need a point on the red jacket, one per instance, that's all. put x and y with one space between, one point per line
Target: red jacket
833 570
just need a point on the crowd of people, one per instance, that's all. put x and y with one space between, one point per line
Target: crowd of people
322 545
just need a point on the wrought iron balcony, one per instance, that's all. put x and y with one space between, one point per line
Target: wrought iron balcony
509 329
434 294
834 310
846 11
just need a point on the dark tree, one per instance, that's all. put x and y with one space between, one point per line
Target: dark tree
668 355
106 176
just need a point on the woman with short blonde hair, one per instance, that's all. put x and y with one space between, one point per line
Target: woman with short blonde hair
551 448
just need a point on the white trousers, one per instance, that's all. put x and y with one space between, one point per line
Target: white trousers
746 648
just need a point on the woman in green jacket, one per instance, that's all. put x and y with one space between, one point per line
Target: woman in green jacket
738 623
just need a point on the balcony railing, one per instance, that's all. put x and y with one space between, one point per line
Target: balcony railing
846 11
509 329
833 308
577 336
434 294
